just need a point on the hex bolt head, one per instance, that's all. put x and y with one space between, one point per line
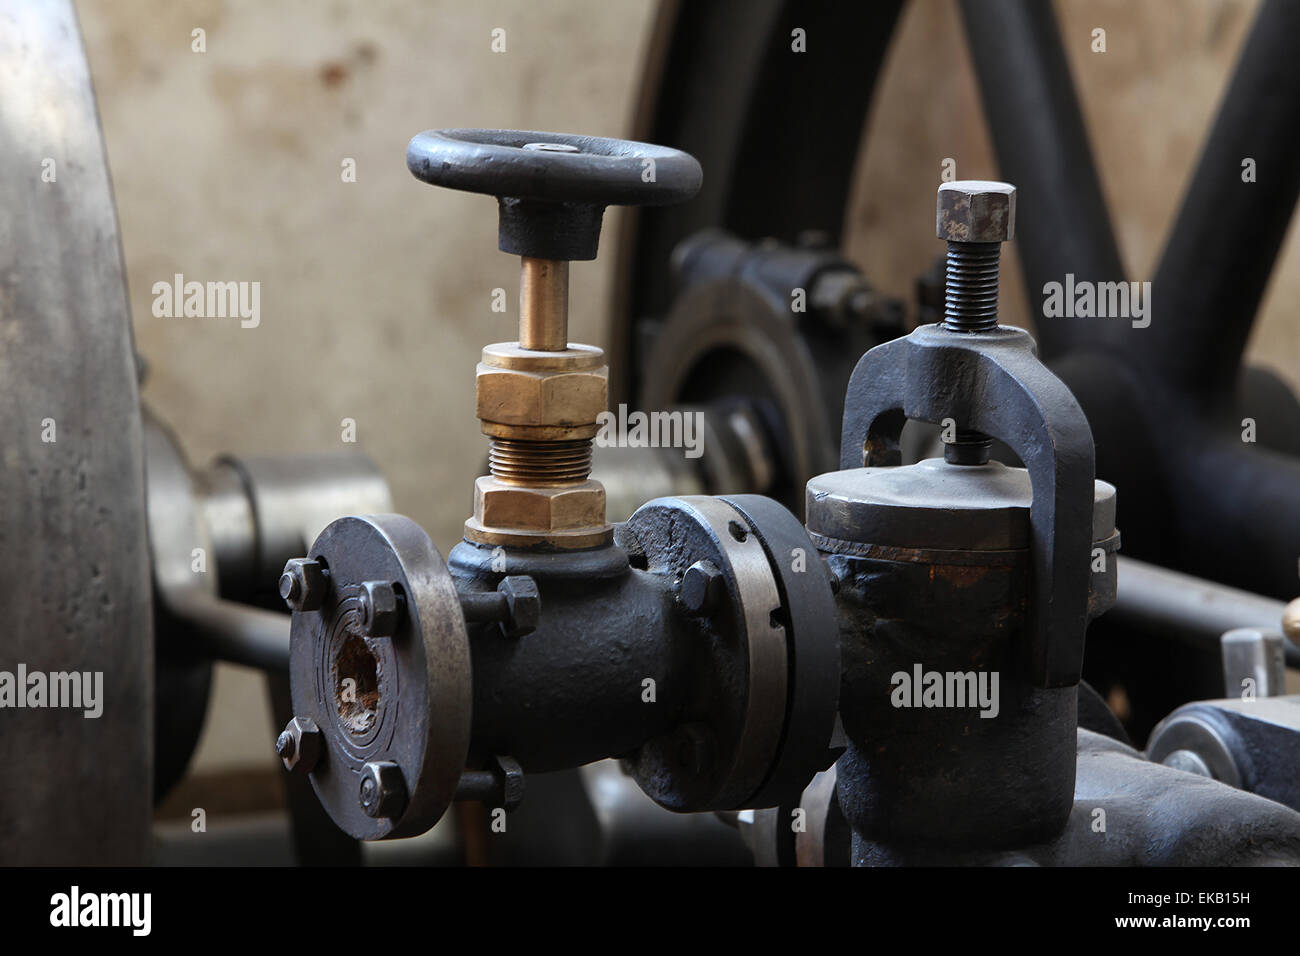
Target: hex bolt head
381 609
300 745
382 792
702 587
303 584
523 603
976 211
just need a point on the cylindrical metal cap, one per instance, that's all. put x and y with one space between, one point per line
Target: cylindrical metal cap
934 505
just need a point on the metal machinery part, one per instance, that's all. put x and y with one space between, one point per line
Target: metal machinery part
73 547
218 540
963 566
99 498
720 82
697 642
1246 742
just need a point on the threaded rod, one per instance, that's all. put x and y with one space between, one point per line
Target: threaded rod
971 287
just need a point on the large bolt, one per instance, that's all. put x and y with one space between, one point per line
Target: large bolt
381 608
702 587
383 790
975 218
300 745
303 585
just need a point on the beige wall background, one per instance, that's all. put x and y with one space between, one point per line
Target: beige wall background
376 294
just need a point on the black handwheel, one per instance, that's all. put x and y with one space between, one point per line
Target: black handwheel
552 187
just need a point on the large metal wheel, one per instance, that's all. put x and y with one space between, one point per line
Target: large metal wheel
74 557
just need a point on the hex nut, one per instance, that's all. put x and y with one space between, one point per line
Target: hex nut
303 584
382 792
498 504
702 587
510 774
545 398
524 604
300 745
976 211
381 608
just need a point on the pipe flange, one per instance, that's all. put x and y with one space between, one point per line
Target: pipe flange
401 700
735 747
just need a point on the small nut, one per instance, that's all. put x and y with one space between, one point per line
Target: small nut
976 211
524 604
303 584
300 745
381 608
510 775
515 397
382 792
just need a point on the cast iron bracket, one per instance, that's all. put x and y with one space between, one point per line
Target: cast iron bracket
993 382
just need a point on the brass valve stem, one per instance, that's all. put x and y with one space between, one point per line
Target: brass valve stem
543 304
538 400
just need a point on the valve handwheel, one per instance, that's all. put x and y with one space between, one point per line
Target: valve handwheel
553 187
539 398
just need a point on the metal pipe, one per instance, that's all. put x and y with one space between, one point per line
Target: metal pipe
236 633
543 304
1190 609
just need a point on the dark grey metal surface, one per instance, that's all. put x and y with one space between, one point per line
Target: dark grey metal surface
410 697
992 382
73 549
1153 816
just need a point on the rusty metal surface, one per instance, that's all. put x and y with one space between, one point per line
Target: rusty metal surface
73 553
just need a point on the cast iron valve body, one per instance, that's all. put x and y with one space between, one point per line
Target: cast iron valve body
698 642
958 572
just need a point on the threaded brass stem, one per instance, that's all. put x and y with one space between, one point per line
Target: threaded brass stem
526 462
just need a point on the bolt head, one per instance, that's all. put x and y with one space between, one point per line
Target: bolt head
303 584
382 792
976 211
381 609
524 603
702 587
300 746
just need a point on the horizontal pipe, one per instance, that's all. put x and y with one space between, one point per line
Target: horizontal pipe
1191 609
232 632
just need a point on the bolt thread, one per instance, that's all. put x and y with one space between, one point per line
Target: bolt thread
971 287
525 462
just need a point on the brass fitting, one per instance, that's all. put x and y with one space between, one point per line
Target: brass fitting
538 400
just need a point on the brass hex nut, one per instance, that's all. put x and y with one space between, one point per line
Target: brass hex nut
539 398
560 508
